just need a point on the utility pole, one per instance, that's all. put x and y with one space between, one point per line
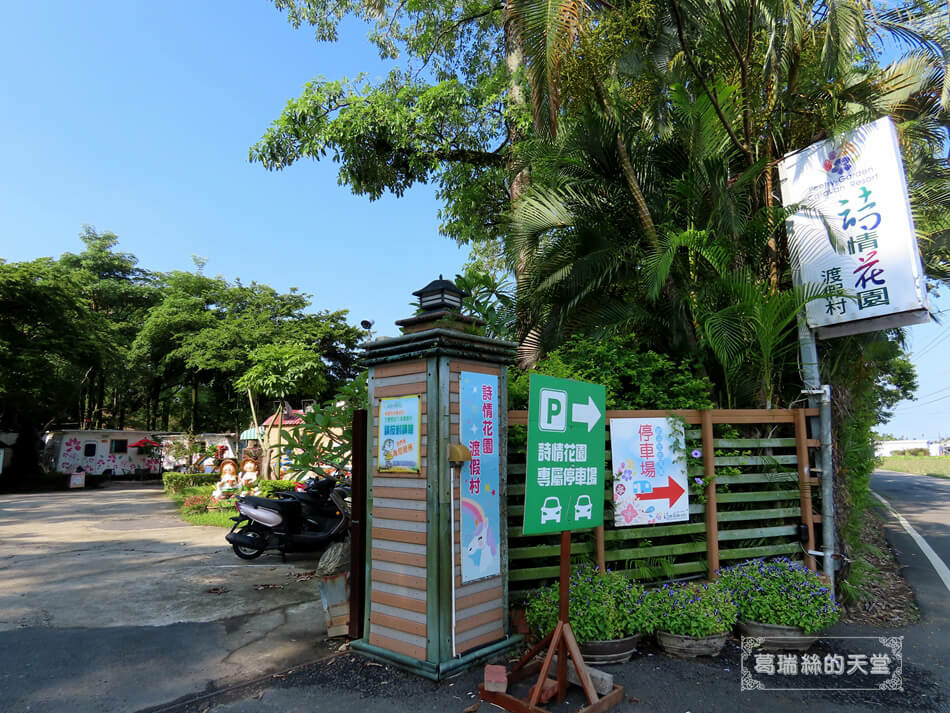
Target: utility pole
819 396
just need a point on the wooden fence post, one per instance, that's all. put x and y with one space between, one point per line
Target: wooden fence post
804 484
709 473
601 553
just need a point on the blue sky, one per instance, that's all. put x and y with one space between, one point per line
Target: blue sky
137 118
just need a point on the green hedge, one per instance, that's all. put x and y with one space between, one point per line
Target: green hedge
269 487
176 482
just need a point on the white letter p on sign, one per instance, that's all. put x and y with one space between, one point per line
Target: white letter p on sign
553 416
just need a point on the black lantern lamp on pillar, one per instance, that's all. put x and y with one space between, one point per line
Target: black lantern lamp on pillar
440 296
440 304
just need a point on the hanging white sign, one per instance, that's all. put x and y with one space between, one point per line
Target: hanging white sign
853 231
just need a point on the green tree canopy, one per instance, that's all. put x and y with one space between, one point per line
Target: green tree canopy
48 341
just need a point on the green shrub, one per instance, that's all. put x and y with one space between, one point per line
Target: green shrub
196 490
603 607
633 378
224 505
780 591
918 452
177 482
690 609
269 487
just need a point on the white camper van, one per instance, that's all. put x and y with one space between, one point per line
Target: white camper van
101 452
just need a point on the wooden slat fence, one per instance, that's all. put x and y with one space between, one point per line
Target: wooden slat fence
761 493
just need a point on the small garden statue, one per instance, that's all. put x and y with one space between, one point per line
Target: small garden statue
249 473
228 485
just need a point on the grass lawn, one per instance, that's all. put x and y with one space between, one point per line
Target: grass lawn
215 518
920 465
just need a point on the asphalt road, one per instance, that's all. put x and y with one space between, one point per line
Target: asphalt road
109 602
924 501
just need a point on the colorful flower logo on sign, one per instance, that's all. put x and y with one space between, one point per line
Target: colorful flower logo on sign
629 513
841 160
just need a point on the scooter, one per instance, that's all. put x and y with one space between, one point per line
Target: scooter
307 520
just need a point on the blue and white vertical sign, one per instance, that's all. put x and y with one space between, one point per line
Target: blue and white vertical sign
649 467
480 504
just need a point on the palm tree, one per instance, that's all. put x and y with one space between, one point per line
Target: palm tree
703 156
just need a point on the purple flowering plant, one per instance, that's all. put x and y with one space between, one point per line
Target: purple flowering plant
780 591
692 609
604 606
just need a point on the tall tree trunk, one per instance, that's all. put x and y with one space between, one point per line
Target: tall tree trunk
101 400
89 413
643 211
529 346
156 404
81 406
772 247
194 404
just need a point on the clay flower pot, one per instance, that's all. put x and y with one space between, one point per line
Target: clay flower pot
691 646
776 636
613 651
519 622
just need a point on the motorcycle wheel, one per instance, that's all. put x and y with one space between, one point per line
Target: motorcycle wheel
250 553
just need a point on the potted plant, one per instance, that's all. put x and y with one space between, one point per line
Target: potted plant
692 619
605 613
781 601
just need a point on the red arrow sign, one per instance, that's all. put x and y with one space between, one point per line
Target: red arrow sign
673 491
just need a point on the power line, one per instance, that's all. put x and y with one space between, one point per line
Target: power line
934 393
940 338
925 403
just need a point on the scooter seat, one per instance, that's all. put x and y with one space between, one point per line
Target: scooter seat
279 504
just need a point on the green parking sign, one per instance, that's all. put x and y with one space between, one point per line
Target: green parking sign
564 483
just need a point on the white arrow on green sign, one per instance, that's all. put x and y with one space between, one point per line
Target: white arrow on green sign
564 481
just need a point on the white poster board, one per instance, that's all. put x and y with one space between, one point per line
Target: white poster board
855 187
398 447
648 457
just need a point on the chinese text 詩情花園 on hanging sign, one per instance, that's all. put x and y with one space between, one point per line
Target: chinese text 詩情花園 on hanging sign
870 263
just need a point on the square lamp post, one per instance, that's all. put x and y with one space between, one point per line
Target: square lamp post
436 482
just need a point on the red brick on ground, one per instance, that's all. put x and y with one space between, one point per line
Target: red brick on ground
496 678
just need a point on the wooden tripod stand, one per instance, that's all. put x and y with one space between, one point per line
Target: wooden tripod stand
562 642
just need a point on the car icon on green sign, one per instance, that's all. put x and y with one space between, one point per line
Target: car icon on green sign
551 510
583 508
